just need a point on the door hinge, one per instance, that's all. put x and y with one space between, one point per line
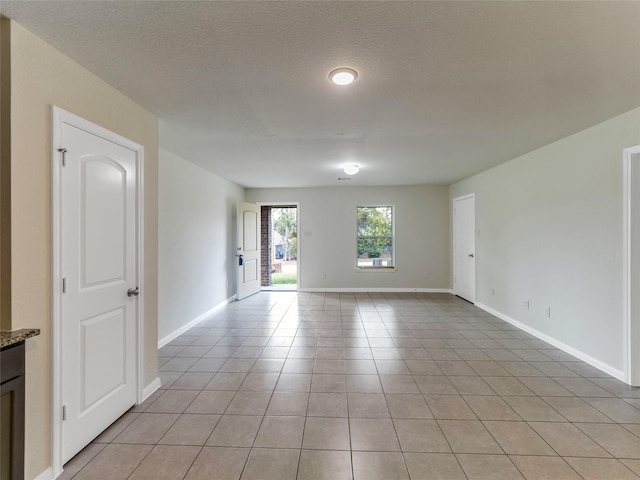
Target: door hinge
64 413
64 285
63 151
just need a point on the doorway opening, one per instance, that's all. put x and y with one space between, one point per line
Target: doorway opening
279 247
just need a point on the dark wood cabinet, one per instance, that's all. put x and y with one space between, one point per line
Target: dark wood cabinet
12 412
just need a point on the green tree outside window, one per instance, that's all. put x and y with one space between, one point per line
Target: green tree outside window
375 236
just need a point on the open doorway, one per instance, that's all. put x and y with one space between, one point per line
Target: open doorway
279 251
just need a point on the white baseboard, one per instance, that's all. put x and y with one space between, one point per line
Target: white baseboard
375 290
150 389
46 475
175 334
614 372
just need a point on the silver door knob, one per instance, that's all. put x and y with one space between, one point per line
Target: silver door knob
133 292
471 255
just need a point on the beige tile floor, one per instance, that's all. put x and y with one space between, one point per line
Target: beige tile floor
287 385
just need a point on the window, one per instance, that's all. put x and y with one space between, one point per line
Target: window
375 237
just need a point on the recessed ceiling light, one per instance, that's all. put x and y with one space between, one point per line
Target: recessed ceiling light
343 76
351 169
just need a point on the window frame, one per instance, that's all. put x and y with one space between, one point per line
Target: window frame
385 268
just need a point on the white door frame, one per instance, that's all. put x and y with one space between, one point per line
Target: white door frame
631 268
60 117
299 238
453 243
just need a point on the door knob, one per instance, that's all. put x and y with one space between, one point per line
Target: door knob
133 292
471 255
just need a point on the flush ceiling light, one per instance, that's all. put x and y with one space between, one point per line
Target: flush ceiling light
351 169
343 76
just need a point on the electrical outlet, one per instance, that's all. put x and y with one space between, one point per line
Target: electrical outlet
324 276
527 304
425 275
547 312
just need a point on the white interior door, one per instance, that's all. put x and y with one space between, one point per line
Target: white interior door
464 247
248 251
98 265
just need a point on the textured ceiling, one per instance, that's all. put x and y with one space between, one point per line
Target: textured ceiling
446 89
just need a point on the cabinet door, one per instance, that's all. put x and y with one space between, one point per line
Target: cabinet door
12 414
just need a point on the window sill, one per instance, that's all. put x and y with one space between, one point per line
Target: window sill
376 269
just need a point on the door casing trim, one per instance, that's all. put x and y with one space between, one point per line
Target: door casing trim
60 117
630 273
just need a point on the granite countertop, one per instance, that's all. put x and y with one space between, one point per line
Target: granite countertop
8 338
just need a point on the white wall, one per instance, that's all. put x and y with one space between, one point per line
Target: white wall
549 230
197 230
327 235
